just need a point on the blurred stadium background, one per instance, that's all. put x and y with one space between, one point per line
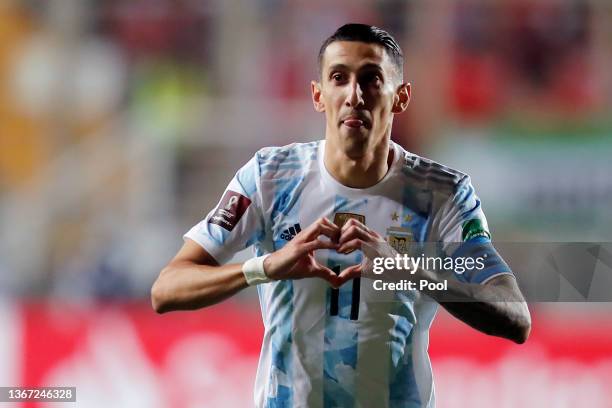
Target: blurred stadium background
121 122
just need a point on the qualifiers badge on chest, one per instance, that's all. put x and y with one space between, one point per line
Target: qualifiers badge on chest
399 238
341 218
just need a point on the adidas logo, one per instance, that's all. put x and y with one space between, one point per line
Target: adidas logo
291 232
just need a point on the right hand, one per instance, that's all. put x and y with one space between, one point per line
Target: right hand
296 259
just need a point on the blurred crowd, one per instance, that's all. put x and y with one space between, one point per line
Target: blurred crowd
122 121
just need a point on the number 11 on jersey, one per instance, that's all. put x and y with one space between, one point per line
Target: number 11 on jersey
335 294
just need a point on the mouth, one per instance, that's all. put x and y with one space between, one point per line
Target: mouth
355 122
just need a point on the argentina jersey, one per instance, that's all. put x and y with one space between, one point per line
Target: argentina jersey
353 346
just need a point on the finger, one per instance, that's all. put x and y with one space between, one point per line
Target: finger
317 244
375 234
353 222
330 231
358 224
309 231
354 232
350 246
349 273
327 274
326 221
321 227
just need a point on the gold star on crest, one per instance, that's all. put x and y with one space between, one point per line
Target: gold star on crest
408 218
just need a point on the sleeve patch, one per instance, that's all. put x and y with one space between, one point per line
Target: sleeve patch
230 210
474 228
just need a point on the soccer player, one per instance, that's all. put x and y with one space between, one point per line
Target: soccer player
307 209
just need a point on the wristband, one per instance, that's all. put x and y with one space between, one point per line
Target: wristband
253 270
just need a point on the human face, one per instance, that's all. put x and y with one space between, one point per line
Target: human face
359 92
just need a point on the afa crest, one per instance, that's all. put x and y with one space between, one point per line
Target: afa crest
400 239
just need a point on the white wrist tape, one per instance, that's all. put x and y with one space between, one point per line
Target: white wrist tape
253 270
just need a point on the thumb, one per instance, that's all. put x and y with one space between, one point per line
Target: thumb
349 273
326 274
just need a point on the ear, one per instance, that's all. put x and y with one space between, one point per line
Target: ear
401 98
317 101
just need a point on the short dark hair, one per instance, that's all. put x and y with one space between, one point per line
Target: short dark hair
367 34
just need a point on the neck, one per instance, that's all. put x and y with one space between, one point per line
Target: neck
362 172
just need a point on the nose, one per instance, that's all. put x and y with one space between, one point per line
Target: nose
355 96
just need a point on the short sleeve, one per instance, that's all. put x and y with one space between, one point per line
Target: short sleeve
464 233
237 222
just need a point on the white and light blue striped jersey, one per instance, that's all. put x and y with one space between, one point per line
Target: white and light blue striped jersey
345 347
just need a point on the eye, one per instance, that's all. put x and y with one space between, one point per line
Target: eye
337 76
373 78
